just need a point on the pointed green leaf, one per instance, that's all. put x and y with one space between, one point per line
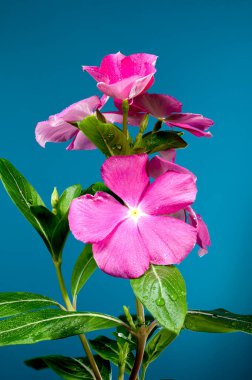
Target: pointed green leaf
21 302
162 291
71 368
157 344
51 324
108 349
218 321
107 137
156 141
83 269
23 195
66 198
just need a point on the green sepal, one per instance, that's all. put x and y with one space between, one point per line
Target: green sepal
218 321
162 291
83 269
70 368
107 137
161 140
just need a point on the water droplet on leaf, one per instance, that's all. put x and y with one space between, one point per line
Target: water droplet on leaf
160 301
174 296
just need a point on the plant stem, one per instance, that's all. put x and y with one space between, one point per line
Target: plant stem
121 372
125 109
141 341
144 368
70 307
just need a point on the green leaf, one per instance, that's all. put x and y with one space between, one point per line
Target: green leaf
71 368
107 137
108 349
22 194
52 228
66 198
99 186
157 344
218 321
162 291
83 269
156 141
21 302
49 324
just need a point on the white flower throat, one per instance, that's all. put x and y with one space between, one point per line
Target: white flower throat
135 213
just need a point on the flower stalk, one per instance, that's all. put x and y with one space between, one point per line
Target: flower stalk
70 307
125 109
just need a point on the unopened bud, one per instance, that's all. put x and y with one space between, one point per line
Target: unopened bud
54 200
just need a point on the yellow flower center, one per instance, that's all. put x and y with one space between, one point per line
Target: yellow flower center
135 214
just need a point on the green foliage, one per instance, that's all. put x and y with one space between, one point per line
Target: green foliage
21 302
218 321
110 350
162 291
157 344
107 137
49 324
71 368
52 228
83 269
161 140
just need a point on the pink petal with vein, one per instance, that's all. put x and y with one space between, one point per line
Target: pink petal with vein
157 105
158 166
194 123
169 193
93 218
81 142
203 237
168 240
123 253
126 176
60 132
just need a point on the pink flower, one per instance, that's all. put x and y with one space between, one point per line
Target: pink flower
128 237
58 128
124 77
169 109
160 165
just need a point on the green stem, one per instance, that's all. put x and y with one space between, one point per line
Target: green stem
144 368
125 109
121 372
70 307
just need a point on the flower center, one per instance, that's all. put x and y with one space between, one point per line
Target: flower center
135 214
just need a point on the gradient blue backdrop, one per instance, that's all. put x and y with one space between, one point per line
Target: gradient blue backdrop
204 50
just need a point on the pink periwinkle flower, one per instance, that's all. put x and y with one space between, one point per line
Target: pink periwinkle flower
144 230
124 77
160 165
169 109
58 127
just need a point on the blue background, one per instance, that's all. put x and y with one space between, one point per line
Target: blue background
204 50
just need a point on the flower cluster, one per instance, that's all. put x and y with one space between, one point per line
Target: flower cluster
140 221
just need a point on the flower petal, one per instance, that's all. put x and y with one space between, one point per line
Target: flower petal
96 73
169 154
93 218
122 253
126 176
158 166
203 237
168 240
61 132
81 109
117 117
126 88
194 123
81 142
157 105
169 193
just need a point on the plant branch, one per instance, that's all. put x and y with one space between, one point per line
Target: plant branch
70 307
125 109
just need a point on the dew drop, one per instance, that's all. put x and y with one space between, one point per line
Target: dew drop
174 296
119 147
160 301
